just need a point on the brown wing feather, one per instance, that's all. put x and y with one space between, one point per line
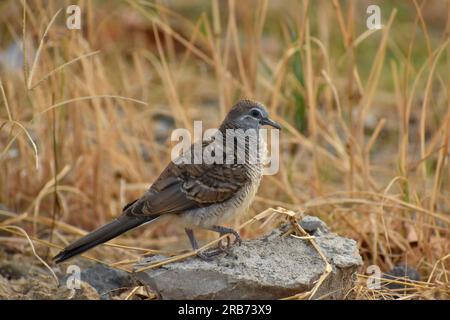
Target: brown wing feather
182 187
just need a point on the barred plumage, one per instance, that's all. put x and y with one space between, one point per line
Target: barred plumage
198 195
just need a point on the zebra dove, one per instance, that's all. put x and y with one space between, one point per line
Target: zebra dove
199 195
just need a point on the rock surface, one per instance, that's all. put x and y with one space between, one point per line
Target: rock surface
403 273
269 268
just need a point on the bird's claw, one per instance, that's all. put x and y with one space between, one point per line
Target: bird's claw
228 252
208 255
202 255
223 247
237 238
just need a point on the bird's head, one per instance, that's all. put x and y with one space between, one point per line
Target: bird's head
248 114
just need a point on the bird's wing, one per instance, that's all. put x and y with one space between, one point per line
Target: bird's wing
182 187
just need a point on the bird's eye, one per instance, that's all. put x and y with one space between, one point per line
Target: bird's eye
255 113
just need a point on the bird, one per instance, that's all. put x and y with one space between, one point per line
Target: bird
199 195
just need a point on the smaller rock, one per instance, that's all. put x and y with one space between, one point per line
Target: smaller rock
105 280
314 226
401 272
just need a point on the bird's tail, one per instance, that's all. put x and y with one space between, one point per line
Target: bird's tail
99 236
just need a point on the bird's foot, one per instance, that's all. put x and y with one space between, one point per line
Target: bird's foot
204 256
223 247
227 250
223 231
208 255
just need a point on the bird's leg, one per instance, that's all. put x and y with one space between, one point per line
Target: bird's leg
205 255
222 231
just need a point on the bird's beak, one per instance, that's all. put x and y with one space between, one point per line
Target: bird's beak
270 122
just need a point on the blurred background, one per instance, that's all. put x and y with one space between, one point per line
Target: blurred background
86 117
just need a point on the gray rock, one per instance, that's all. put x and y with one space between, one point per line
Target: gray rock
105 279
314 226
268 268
403 273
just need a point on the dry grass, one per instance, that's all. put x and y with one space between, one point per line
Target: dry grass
85 118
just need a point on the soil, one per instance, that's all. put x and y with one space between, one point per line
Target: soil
24 277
